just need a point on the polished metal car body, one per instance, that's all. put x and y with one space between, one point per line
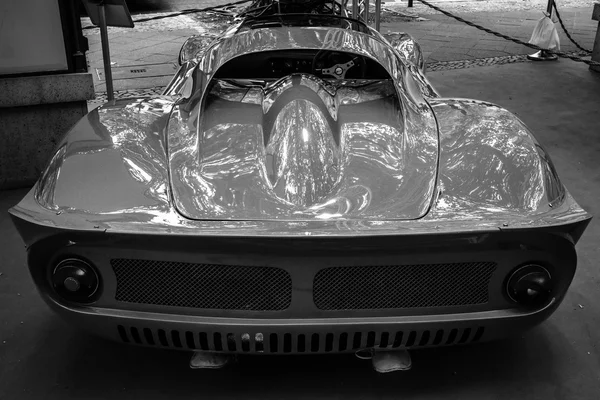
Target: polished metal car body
300 187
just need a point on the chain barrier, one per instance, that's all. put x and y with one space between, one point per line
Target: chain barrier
182 12
573 57
500 35
567 32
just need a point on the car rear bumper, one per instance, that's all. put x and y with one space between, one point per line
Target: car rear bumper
299 336
305 325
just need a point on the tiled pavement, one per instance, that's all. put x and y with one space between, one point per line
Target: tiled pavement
441 38
445 39
136 48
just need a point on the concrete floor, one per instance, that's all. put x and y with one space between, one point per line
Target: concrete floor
42 357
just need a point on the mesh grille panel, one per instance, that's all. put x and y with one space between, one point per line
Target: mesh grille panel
402 286
207 286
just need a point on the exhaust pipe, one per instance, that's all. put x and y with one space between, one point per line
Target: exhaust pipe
209 360
385 361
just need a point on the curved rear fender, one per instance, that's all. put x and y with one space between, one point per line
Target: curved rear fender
410 52
490 161
408 48
194 47
112 160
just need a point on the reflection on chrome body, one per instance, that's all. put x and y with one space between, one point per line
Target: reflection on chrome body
119 149
222 165
195 46
483 143
309 149
301 172
115 172
410 50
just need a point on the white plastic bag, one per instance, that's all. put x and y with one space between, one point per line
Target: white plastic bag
545 35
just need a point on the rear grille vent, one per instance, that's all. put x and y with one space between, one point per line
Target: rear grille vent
205 286
402 286
297 343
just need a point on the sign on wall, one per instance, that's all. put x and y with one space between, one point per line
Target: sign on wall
31 37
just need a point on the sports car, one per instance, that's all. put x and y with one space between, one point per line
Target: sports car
300 187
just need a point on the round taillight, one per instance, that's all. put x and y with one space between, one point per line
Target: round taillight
530 286
75 280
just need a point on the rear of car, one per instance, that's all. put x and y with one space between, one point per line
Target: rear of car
440 228
304 295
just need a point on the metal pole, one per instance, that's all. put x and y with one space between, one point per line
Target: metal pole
355 9
550 8
366 3
105 52
596 49
377 14
78 56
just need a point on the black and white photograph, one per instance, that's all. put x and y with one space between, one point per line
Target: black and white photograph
299 199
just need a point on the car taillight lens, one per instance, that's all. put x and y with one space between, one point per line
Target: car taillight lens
76 280
530 286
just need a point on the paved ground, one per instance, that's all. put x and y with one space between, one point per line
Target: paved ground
445 39
42 357
442 38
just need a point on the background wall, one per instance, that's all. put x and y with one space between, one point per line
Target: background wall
43 83
31 37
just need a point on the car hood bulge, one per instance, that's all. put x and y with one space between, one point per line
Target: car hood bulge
300 149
